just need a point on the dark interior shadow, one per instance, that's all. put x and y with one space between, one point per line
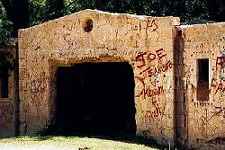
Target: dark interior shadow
96 100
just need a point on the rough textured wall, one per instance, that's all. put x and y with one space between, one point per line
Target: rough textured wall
8 104
205 119
145 42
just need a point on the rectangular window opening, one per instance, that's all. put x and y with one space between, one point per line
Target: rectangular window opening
203 80
4 85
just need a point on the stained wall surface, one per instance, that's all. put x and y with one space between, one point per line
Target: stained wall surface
146 43
205 118
8 101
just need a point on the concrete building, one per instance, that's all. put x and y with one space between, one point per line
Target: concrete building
95 71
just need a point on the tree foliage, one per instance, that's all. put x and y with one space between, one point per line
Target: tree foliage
16 14
25 13
5 26
190 11
36 11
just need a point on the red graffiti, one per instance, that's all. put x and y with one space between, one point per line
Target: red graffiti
161 53
220 61
147 57
150 116
219 111
144 57
152 25
140 59
147 92
220 87
150 71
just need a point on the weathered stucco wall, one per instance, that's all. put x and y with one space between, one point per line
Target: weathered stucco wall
8 104
145 42
205 120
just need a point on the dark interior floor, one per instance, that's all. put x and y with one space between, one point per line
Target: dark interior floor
95 99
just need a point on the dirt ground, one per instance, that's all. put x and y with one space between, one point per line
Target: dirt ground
70 143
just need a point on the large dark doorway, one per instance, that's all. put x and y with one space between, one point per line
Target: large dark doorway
95 98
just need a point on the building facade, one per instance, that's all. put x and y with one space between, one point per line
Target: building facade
177 72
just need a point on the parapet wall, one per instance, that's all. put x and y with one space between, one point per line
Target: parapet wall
146 43
170 63
205 119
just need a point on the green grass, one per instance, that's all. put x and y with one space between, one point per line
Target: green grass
73 143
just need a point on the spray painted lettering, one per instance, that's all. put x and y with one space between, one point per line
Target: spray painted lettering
220 62
155 113
146 91
147 57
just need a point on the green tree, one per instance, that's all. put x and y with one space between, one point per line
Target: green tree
216 10
54 9
36 11
77 5
17 13
25 13
190 11
44 10
5 26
